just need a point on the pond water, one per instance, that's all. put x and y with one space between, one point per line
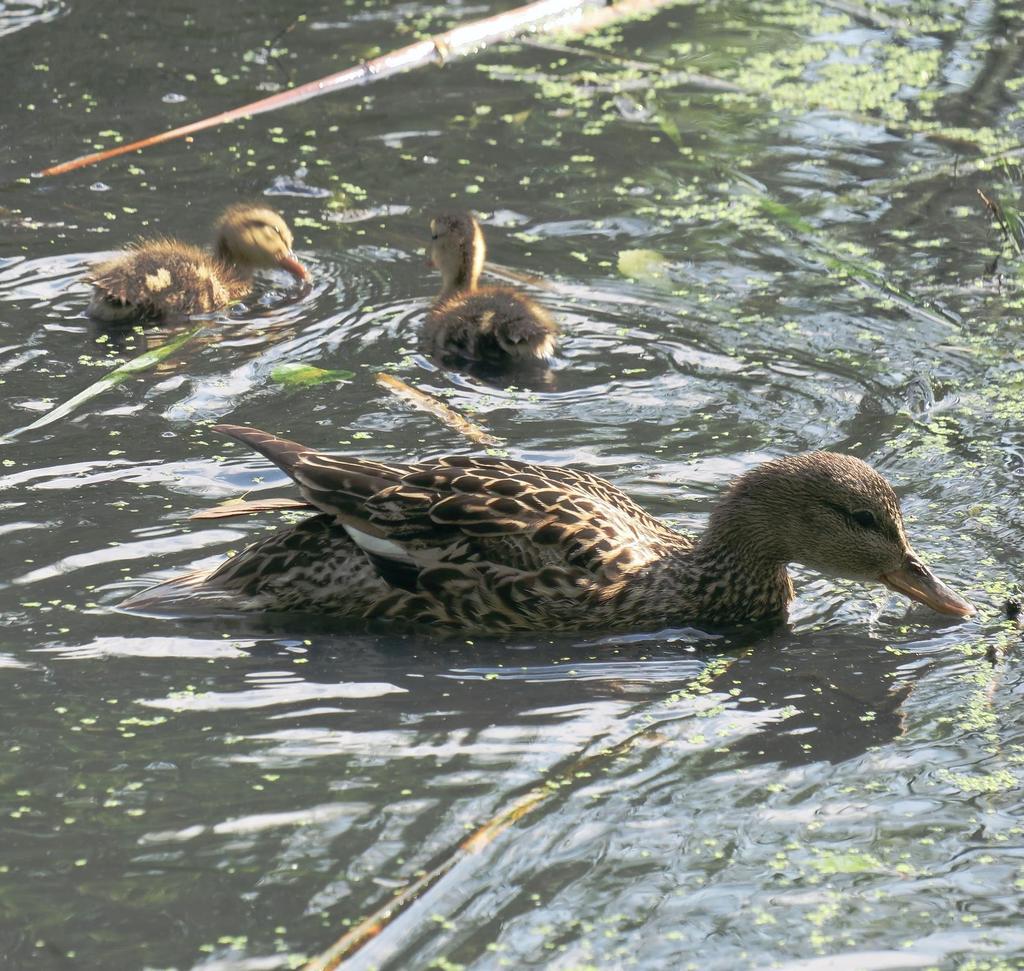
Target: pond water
798 261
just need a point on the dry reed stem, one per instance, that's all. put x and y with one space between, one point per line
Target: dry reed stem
428 403
246 507
440 49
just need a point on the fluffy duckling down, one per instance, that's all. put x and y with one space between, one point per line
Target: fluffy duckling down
161 279
489 325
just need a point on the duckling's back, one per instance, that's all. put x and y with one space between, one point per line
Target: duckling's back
162 278
494 325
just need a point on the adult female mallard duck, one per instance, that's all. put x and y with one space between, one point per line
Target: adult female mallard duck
488 544
165 278
491 325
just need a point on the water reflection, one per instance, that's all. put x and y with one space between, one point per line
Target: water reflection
16 15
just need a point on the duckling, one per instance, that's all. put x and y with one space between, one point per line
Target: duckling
493 545
167 279
491 325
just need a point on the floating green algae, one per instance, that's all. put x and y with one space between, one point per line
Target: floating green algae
646 266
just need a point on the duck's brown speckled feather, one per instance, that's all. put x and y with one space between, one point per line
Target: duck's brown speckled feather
555 514
491 544
464 542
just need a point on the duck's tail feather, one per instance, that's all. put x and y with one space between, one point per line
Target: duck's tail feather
189 591
283 453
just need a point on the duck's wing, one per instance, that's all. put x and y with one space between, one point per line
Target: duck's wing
462 509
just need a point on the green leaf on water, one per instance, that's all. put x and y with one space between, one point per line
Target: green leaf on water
645 265
852 861
292 374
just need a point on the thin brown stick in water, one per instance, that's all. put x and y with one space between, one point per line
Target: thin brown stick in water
246 507
997 211
598 54
509 275
448 46
573 777
868 16
451 45
367 929
272 44
658 76
438 409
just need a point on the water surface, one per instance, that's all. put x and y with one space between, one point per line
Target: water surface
819 272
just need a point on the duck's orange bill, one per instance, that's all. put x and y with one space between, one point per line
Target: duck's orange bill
916 581
293 266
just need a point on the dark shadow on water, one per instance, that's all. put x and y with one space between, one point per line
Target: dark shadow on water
833 696
844 698
527 376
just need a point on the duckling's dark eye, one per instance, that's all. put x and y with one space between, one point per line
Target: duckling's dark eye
865 519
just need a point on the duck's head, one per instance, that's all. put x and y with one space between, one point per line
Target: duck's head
835 514
255 237
457 249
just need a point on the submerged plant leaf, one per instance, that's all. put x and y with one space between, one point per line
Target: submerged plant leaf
292 374
1012 221
645 265
136 365
669 128
841 263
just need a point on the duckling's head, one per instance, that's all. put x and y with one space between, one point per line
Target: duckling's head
457 249
254 237
835 514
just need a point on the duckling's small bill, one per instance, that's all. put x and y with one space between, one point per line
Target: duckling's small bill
290 263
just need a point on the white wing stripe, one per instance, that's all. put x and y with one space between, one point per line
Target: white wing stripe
378 546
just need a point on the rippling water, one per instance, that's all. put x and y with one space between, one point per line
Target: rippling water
818 271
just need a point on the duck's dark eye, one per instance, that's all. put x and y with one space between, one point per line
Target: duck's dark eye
862 517
865 519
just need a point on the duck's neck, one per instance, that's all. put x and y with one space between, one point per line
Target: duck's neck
738 568
464 274
729 585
